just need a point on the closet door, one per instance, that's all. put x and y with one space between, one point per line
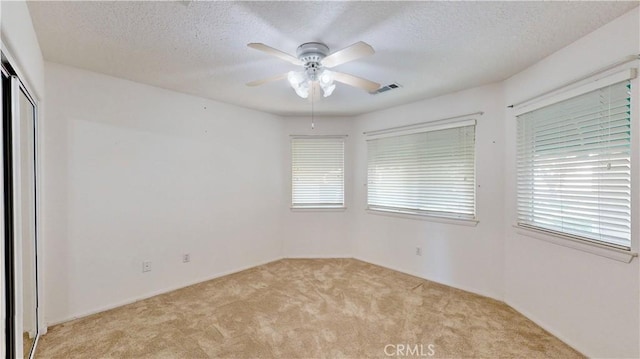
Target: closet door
25 216
18 220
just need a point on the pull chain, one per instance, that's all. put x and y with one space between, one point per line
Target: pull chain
313 97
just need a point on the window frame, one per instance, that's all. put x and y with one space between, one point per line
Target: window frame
317 208
430 126
612 75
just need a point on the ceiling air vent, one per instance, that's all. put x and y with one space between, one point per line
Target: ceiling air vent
386 88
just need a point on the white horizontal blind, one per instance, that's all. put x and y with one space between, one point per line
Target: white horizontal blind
425 173
574 168
317 169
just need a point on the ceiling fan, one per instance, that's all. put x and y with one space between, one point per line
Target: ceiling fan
316 60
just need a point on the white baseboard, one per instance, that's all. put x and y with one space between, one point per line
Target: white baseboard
471 290
322 256
171 289
158 292
415 274
240 269
545 327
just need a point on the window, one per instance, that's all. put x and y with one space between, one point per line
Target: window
425 171
574 166
317 168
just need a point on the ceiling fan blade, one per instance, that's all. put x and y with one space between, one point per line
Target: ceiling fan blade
268 79
356 81
275 52
353 52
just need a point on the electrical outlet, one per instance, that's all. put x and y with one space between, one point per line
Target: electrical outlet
418 251
146 266
186 258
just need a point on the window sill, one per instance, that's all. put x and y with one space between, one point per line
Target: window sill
602 250
318 209
425 217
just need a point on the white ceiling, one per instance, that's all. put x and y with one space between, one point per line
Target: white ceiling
430 48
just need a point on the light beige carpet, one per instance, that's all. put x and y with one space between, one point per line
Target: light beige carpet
27 343
307 308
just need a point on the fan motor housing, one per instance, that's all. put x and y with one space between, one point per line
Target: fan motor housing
311 53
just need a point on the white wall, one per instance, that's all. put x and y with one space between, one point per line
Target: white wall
139 173
588 301
318 233
19 38
466 257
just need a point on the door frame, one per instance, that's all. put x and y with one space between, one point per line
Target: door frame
3 272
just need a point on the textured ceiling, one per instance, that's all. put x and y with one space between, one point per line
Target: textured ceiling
430 48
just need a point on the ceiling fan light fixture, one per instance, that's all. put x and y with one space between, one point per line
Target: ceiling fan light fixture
302 91
326 82
295 78
299 83
326 78
327 90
